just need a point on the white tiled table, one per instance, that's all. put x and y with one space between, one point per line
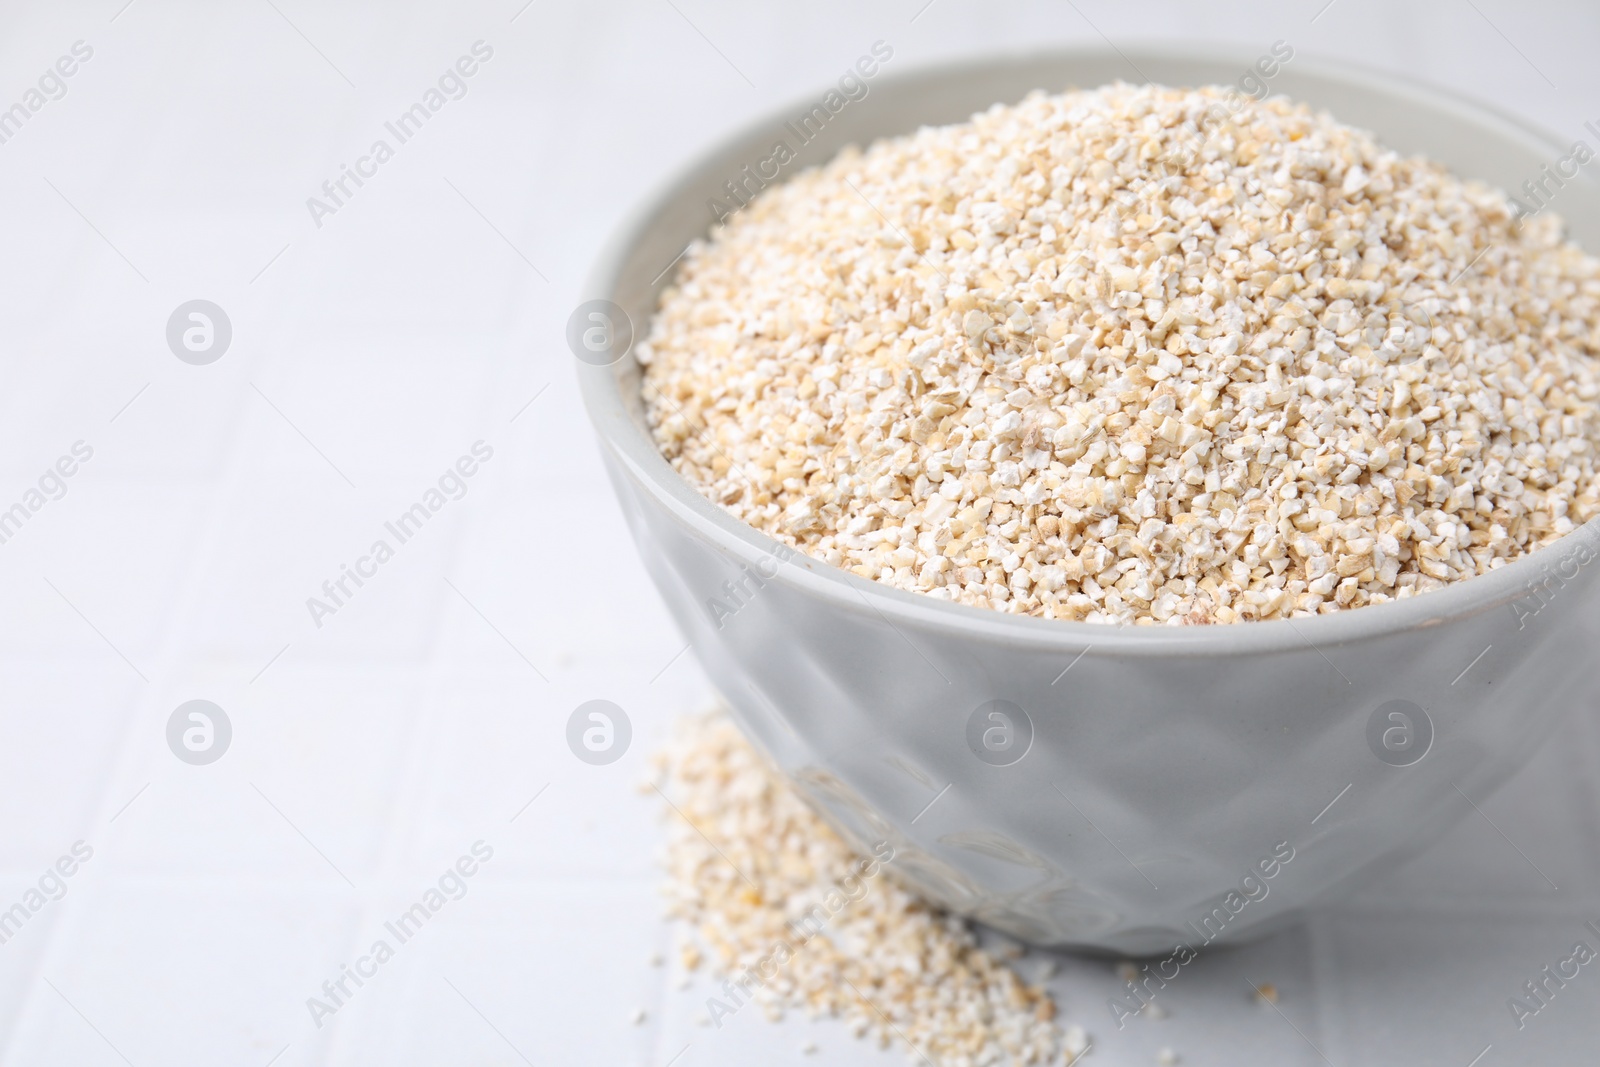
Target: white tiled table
368 354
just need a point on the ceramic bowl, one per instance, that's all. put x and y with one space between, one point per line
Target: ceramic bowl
1118 788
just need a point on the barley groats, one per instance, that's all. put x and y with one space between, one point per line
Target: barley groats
1103 356
794 921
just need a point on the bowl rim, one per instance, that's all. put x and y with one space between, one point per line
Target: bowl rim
630 445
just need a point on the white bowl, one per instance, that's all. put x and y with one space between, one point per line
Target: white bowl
1177 785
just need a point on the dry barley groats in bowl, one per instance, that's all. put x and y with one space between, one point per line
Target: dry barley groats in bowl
1276 370
1100 356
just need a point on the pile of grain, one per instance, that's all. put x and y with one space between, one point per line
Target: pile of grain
793 920
1096 356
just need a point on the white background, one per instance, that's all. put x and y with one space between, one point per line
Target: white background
367 355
